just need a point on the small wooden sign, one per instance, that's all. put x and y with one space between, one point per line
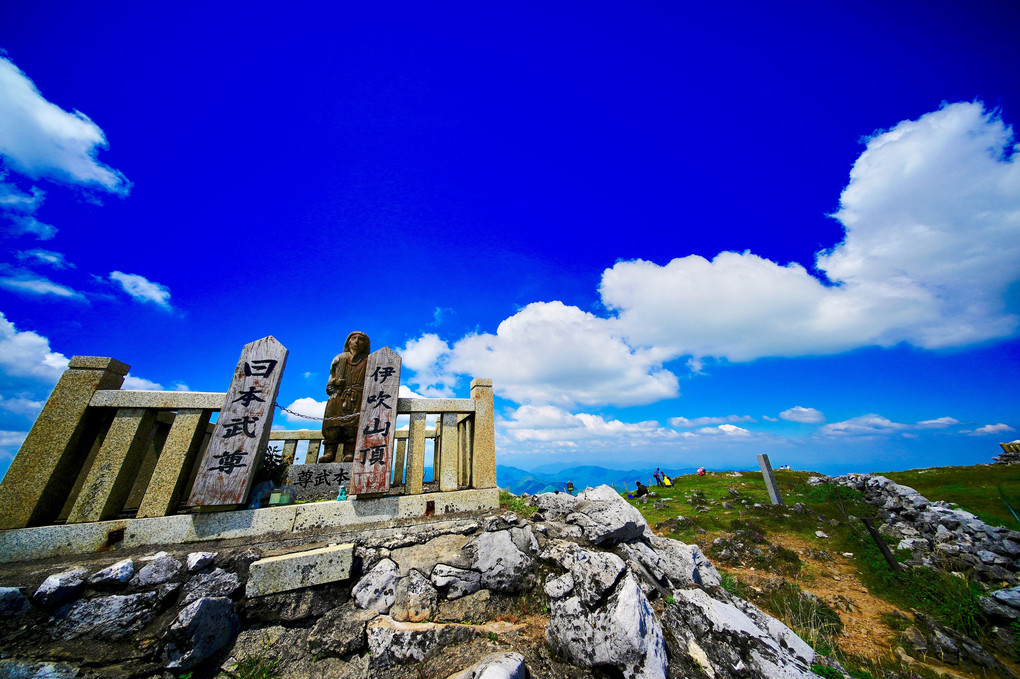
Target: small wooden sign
242 429
377 427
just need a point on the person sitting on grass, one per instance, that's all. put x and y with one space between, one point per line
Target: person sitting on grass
642 489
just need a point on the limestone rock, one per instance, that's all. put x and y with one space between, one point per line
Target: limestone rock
730 633
554 506
470 608
457 582
60 587
117 574
340 632
496 666
161 569
216 583
416 599
392 642
199 560
1009 597
377 589
201 629
109 617
606 518
684 564
504 568
446 549
293 605
623 633
592 573
13 602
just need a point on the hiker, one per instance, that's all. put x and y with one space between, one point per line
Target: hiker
657 476
701 471
570 487
642 489
666 481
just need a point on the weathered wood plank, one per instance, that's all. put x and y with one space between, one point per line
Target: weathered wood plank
398 463
243 427
372 467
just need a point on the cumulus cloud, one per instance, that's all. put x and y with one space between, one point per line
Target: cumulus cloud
877 425
725 430
932 233
142 288
702 421
550 424
803 415
40 140
932 222
22 404
991 429
547 352
140 383
25 354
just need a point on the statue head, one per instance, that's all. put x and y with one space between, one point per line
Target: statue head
360 345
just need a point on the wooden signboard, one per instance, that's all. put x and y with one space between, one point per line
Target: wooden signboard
242 429
377 426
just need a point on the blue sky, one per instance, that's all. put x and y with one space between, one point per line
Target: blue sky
673 236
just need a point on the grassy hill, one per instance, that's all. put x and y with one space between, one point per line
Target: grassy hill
816 568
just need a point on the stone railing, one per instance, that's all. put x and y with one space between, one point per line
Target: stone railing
98 452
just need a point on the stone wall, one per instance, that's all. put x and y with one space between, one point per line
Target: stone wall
579 588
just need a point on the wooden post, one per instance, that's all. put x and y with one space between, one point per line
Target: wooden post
483 459
242 429
372 467
882 547
40 477
415 455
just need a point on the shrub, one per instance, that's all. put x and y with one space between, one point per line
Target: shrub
508 500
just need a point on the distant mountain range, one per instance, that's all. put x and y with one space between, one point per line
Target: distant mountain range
550 478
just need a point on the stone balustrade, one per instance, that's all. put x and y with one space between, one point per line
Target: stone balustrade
98 452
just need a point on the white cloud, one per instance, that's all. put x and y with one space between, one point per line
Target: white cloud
180 386
140 383
725 430
10 442
550 424
306 406
940 423
877 425
23 405
142 288
702 421
39 139
992 429
547 352
38 255
25 354
803 415
32 284
932 219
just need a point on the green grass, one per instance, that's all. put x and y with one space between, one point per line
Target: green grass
515 504
257 667
975 489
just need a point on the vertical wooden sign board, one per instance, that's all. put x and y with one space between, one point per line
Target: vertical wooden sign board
242 429
377 426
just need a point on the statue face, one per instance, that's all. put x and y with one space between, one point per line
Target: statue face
356 344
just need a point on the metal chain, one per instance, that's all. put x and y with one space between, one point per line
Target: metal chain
339 418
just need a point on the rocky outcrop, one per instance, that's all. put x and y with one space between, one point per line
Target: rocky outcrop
937 534
581 587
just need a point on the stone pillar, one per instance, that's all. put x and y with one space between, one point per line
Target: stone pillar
770 479
44 471
483 458
415 455
446 474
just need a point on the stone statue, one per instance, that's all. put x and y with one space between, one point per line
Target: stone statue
345 386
